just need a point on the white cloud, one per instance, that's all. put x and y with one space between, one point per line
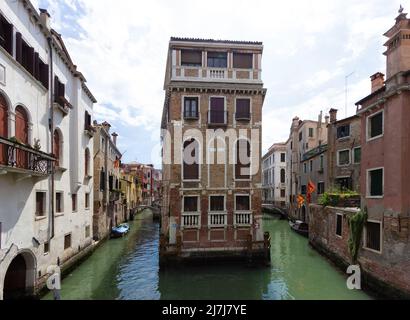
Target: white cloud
309 48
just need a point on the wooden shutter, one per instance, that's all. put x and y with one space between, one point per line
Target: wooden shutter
243 107
6 34
191 57
242 60
21 125
44 74
36 66
19 48
191 171
30 60
217 112
56 147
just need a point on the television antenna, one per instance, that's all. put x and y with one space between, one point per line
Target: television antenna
346 90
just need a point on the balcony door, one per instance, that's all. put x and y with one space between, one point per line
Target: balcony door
217 111
3 128
22 136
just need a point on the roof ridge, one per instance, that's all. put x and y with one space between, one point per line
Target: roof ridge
215 40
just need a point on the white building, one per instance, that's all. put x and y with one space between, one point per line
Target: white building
274 175
46 205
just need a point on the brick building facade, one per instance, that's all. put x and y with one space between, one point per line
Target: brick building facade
210 206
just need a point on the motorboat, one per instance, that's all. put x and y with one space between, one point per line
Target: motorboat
300 227
120 231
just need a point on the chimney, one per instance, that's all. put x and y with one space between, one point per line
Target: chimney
295 123
320 119
114 138
106 126
333 115
45 18
377 81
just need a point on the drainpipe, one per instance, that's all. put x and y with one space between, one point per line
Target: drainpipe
51 96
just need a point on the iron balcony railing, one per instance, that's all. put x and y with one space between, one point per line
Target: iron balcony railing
23 158
191 115
243 116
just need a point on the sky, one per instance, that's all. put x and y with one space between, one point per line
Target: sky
310 49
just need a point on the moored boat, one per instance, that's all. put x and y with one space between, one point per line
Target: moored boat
300 227
120 230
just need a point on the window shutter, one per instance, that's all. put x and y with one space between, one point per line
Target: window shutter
44 75
30 60
36 66
191 57
242 60
19 48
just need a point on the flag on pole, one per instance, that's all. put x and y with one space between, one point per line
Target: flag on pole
301 201
311 187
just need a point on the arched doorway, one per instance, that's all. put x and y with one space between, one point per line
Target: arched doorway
19 279
22 136
4 128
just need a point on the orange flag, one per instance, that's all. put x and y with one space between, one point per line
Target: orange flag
301 201
311 187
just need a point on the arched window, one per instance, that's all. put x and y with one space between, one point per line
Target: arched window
191 160
4 128
21 136
87 162
57 147
282 176
243 160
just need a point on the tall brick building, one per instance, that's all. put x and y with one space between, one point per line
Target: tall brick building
211 191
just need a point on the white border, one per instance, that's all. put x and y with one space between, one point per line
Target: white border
338 158
381 237
368 138
368 196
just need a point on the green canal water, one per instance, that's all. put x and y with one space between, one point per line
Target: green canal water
127 269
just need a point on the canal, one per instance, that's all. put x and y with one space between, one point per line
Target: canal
127 269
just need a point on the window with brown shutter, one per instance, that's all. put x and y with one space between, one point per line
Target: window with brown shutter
243 154
27 57
6 35
19 48
243 109
217 114
191 160
59 91
217 203
190 204
191 58
43 74
242 60
56 147
243 203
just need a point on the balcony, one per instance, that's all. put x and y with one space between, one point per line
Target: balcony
62 105
206 74
191 115
191 220
89 130
242 116
217 118
18 158
216 220
243 219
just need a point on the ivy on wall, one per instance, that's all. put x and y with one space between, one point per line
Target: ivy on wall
356 225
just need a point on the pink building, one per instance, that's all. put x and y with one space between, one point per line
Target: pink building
385 166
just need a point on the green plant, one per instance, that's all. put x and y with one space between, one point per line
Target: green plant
356 223
37 145
333 196
15 140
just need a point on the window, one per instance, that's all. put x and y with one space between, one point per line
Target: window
357 155
343 131
87 201
339 224
191 204
191 108
27 55
59 92
303 189
67 241
243 109
59 202
57 147
311 165
242 60
375 183
305 168
191 160
217 59
322 165
282 176
46 247
344 183
87 122
217 203
283 193
300 136
311 132
343 157
74 202
40 204
283 157
6 35
373 235
320 188
375 125
191 58
102 180
243 160
243 203
217 114
87 162
87 231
